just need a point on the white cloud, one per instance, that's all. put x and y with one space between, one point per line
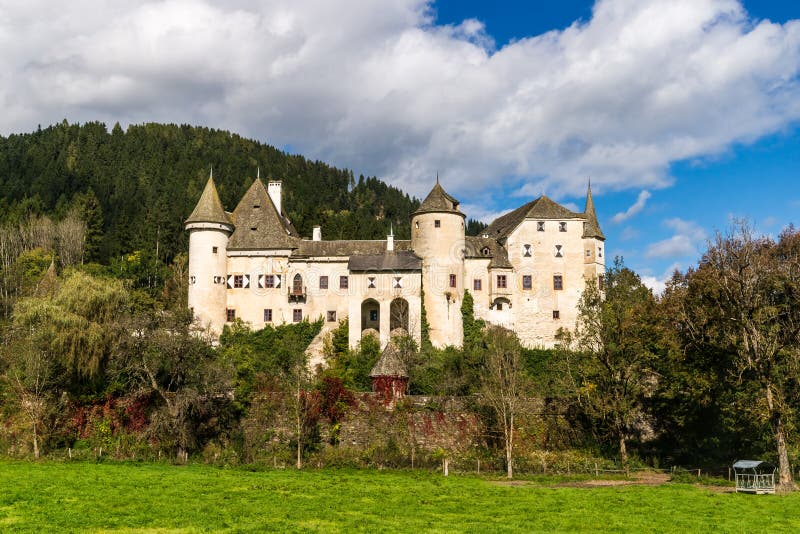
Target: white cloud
481 213
629 233
635 208
378 87
658 283
687 237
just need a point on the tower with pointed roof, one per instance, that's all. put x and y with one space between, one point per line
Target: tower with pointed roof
593 240
210 228
437 236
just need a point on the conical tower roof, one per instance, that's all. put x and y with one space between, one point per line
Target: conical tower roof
438 201
209 207
389 363
591 228
258 224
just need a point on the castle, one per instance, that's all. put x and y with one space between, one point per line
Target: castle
526 271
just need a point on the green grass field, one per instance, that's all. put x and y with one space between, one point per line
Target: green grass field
77 497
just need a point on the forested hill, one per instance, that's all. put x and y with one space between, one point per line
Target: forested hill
147 179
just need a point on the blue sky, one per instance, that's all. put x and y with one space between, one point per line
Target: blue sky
757 181
683 113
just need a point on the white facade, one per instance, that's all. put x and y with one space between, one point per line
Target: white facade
526 272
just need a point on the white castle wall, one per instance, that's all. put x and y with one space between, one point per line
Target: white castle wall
206 298
442 252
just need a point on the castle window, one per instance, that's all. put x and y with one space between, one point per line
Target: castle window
562 227
526 251
254 228
476 284
332 316
344 282
600 252
588 252
323 282
601 282
416 225
219 279
297 315
558 282
213 250
437 223
398 282
267 315
269 281
192 280
527 282
371 282
238 281
540 226
297 285
556 314
256 206
559 254
452 280
501 281
230 315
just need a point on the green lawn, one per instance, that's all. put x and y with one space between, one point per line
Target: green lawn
71 497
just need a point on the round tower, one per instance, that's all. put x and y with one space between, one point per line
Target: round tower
437 237
209 228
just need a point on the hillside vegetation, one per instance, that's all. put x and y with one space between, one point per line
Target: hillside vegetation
147 179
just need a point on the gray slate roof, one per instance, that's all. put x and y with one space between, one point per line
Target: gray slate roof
591 228
541 208
389 363
209 207
544 208
498 255
258 224
347 247
388 261
438 201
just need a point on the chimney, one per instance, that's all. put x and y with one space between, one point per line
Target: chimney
317 234
390 240
274 190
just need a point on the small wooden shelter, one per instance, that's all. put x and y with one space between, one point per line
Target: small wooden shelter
754 476
389 375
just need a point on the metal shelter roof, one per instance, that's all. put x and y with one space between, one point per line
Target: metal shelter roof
754 465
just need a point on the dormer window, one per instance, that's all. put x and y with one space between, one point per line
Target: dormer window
256 206
254 228
485 251
540 226
562 227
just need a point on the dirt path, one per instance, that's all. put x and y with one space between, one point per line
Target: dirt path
643 478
